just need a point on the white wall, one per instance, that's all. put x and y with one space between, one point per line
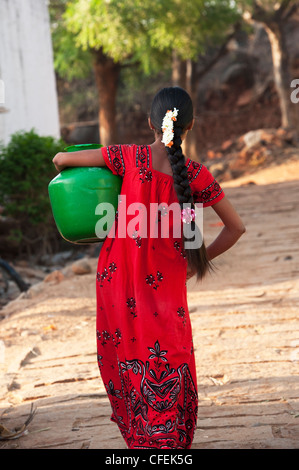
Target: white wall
26 68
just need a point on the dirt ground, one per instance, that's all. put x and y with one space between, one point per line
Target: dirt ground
245 327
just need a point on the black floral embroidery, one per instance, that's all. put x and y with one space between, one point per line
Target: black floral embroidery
112 267
118 333
105 336
157 353
208 194
182 314
153 281
142 156
193 170
178 248
111 391
100 360
106 274
150 279
116 159
145 175
116 337
142 162
131 304
137 238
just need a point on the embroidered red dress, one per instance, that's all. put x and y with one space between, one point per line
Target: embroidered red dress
144 337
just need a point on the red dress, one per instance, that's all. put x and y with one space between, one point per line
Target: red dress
144 337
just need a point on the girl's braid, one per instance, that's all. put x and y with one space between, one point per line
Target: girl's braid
180 175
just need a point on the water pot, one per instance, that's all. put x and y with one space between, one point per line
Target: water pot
74 195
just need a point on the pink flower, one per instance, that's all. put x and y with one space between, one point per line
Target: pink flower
188 215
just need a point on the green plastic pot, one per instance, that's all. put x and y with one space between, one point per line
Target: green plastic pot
74 195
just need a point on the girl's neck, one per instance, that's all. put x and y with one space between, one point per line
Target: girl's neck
160 161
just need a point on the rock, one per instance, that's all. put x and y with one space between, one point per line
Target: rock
33 291
217 169
68 272
252 138
56 259
211 154
226 145
62 257
55 276
81 267
245 98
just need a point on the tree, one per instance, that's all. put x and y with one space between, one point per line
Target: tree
113 35
274 16
122 33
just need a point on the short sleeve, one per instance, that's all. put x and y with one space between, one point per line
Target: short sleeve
204 186
117 158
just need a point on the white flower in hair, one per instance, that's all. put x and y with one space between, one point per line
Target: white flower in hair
167 127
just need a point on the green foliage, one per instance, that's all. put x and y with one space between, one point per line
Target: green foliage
26 168
70 61
189 27
137 31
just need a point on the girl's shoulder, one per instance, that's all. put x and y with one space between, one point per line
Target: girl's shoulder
204 186
122 157
196 170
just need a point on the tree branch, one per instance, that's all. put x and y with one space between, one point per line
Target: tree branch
282 14
220 53
260 15
284 5
291 11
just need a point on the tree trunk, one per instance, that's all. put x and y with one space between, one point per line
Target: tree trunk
191 75
282 77
275 24
106 75
178 71
190 144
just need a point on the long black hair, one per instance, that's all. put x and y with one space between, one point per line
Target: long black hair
168 99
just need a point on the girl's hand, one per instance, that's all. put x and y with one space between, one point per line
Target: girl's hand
57 162
91 157
231 232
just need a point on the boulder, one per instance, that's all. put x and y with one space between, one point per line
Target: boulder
55 276
81 267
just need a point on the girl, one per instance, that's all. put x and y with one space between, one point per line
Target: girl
144 337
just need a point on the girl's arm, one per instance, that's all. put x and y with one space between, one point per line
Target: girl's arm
91 157
231 232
